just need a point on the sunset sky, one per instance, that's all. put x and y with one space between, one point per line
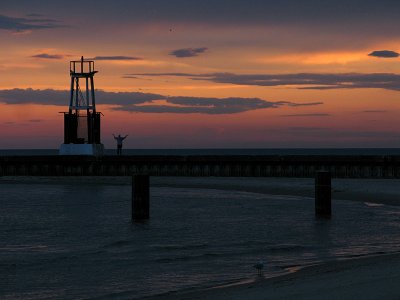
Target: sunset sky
206 74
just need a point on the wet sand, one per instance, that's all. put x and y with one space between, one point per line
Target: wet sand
368 278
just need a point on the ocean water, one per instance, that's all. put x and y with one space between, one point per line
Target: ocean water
76 241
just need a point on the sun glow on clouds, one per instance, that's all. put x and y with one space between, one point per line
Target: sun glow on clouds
323 58
148 63
241 47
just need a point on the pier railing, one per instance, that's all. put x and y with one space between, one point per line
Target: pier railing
221 166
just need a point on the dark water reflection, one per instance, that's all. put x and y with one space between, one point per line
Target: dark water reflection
77 241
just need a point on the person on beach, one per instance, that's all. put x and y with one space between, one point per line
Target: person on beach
119 140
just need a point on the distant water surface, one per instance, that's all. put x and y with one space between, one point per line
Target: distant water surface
66 241
272 151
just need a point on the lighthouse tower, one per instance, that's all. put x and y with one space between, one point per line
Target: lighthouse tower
82 121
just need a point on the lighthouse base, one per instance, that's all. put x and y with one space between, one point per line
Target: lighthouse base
82 149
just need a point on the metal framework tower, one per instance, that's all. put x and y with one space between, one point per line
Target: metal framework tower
82 121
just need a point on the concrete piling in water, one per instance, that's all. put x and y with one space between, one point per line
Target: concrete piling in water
323 194
140 197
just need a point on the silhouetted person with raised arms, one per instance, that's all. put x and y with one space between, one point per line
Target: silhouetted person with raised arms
119 140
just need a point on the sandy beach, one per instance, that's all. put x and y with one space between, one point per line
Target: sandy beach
369 278
374 277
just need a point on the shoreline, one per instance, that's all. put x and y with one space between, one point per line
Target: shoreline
370 277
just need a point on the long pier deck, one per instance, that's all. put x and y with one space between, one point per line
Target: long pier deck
340 166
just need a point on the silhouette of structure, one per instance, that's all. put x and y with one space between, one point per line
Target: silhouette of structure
323 206
82 121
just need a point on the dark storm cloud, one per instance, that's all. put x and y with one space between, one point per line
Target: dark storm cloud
24 24
126 98
160 109
255 11
384 54
116 57
145 102
43 97
188 52
61 98
362 16
213 110
221 105
48 56
221 102
339 20
203 105
314 81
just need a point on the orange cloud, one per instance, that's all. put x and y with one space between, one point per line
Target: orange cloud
323 58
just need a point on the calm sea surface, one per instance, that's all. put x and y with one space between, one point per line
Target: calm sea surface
277 151
69 241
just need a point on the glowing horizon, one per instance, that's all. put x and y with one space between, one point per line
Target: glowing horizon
184 76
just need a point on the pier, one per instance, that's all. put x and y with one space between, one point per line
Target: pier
207 165
322 168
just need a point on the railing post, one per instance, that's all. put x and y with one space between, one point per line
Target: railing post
323 194
140 197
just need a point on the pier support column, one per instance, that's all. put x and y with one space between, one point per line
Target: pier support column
140 197
323 194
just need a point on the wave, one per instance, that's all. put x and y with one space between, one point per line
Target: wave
190 257
19 248
288 248
181 247
118 244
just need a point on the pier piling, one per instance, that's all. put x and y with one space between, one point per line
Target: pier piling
140 197
323 194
